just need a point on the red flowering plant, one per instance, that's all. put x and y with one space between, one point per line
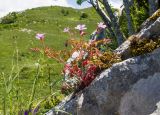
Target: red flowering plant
85 60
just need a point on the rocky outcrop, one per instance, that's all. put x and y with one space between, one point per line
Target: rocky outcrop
124 50
151 31
143 98
157 111
131 87
150 20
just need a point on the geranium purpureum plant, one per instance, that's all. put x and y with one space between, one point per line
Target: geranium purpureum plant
99 33
40 36
41 65
81 28
85 60
66 30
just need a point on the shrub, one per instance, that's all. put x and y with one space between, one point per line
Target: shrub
139 13
64 12
83 15
10 18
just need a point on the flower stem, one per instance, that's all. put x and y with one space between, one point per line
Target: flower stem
33 89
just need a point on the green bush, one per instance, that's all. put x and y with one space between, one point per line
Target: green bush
64 12
10 18
139 13
123 24
83 15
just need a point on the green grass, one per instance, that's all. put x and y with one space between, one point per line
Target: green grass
48 20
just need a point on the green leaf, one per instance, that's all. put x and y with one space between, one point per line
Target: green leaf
80 1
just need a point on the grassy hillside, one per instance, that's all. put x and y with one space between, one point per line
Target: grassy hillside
17 36
48 20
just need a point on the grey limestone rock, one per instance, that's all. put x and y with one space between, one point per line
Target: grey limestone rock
131 87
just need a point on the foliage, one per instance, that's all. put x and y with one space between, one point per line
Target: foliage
83 15
80 1
15 99
92 59
84 61
9 26
42 106
139 47
88 65
10 18
64 12
139 13
48 79
50 102
123 24
20 35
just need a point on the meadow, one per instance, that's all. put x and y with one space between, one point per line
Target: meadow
25 76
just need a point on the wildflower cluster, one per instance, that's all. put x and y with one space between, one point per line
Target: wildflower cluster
85 63
85 60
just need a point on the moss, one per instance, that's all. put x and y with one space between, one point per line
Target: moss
106 60
143 46
155 15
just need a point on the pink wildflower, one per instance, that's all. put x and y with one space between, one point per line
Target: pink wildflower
101 25
66 30
81 28
40 36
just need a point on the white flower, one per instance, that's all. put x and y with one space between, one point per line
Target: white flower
75 54
81 27
69 61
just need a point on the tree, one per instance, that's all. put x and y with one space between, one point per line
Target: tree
104 17
128 16
105 11
114 22
108 17
150 5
